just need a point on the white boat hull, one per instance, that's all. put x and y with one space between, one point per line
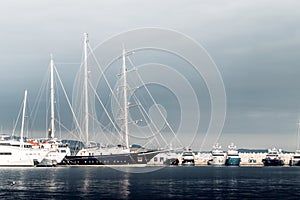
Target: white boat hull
217 160
14 156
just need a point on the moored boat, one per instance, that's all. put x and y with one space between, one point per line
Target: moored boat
295 160
273 158
218 156
122 154
171 158
167 158
233 158
187 158
109 156
57 151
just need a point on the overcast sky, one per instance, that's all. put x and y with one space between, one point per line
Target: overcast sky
255 44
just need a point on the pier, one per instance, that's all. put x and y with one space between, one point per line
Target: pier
201 159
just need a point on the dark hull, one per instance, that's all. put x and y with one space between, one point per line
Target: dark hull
272 162
114 159
294 163
188 162
80 160
233 161
171 161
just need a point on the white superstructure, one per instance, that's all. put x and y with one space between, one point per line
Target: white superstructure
218 156
232 151
15 153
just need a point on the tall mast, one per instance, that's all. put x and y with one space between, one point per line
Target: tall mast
125 99
52 116
298 127
23 119
86 105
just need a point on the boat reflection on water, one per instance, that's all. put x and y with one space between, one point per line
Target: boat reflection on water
124 186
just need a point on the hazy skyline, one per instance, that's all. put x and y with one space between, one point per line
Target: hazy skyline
255 45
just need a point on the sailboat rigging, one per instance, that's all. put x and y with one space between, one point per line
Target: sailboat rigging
109 155
57 150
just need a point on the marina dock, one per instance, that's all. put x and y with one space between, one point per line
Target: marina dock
201 159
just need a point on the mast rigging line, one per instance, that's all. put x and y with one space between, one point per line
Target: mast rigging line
105 79
115 98
16 123
105 110
103 128
175 136
68 101
109 86
69 131
148 117
113 95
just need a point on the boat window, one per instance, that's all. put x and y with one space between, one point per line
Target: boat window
5 144
296 156
187 154
5 153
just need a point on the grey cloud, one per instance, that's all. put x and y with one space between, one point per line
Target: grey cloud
254 43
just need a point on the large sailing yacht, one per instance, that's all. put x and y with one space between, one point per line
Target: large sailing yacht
122 154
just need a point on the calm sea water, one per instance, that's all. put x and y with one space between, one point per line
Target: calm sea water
167 183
